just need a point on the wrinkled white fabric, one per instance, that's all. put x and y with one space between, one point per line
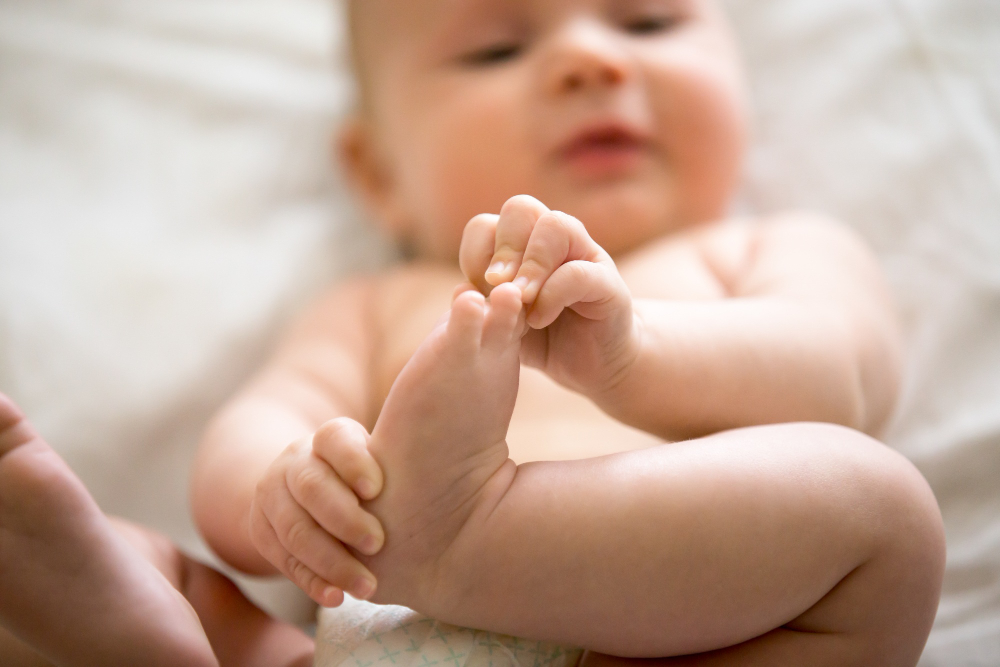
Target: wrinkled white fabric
887 115
167 201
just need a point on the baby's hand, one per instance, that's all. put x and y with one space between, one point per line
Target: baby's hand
582 331
305 511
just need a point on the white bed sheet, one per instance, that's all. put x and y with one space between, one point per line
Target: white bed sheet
166 201
887 114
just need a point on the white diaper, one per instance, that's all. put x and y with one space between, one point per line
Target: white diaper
361 634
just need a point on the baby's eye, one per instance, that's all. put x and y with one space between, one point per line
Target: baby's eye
494 54
650 25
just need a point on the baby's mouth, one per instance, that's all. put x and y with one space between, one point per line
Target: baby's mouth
603 152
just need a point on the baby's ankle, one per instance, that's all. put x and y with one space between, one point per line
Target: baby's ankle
440 443
422 559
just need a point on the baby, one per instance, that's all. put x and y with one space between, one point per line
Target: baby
429 468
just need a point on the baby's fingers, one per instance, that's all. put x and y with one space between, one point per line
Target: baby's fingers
266 541
593 290
343 444
317 489
517 220
307 554
556 239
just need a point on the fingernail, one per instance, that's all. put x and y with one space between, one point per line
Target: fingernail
521 282
370 545
366 488
362 588
497 267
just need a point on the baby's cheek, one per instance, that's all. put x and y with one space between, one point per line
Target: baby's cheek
700 109
464 183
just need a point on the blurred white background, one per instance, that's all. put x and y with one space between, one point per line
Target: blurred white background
167 200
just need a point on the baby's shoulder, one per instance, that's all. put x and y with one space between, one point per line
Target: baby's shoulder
735 241
370 304
719 258
790 251
408 280
801 241
412 289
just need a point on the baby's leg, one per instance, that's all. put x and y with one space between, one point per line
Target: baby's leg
795 544
85 590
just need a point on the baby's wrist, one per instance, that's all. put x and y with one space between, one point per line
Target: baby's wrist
618 384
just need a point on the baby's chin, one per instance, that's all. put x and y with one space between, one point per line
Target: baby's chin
620 216
623 217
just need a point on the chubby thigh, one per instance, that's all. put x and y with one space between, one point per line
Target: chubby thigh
695 546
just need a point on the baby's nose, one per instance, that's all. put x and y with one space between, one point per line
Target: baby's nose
583 56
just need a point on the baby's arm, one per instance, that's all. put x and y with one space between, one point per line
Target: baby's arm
804 331
807 333
275 481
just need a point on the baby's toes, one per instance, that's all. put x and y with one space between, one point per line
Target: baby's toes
504 320
14 428
465 321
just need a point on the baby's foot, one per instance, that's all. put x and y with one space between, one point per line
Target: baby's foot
440 437
70 585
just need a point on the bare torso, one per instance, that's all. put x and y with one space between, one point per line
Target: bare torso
743 323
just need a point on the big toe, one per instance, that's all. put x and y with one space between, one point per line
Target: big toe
14 427
465 321
505 319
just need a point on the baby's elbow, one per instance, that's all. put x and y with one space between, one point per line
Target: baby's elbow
879 377
853 404
847 405
864 373
867 399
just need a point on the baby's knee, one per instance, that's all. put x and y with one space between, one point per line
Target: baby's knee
891 598
893 503
910 556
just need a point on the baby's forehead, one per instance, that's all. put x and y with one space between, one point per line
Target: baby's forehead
380 28
414 16
410 31
375 25
367 16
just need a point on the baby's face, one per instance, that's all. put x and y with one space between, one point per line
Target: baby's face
627 114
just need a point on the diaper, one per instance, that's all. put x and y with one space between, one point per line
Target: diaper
361 634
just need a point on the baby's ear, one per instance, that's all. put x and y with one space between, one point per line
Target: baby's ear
368 174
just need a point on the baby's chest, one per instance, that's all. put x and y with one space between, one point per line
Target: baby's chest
550 423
